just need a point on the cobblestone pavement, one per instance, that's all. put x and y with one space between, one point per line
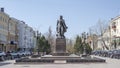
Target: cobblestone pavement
110 63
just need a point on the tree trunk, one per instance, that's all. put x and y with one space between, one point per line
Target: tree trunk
105 45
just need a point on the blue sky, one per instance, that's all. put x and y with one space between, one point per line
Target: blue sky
79 15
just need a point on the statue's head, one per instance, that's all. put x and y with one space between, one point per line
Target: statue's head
61 16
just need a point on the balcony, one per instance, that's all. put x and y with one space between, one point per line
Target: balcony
114 28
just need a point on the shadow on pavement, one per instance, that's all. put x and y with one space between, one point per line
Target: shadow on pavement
2 64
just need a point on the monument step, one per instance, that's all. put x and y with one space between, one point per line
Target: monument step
59 61
60 54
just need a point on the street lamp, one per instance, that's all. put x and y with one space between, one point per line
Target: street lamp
38 36
84 36
115 42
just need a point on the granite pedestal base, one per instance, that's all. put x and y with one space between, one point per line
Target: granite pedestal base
59 59
60 49
60 45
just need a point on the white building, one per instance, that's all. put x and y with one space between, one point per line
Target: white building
111 37
26 36
115 32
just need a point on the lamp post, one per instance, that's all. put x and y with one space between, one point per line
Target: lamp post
115 42
84 36
38 36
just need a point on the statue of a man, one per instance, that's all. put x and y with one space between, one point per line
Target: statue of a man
61 27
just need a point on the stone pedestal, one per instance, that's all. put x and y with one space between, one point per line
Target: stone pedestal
60 45
60 49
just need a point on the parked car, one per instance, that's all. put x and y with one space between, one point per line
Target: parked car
27 53
14 54
2 55
97 52
21 53
24 53
104 53
111 52
115 54
8 55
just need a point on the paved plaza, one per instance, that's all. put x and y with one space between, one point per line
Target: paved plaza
110 63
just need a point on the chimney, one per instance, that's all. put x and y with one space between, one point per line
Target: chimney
2 9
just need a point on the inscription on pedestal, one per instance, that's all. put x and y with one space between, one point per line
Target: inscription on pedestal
60 45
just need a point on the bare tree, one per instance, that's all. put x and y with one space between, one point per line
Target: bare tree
99 29
51 38
70 46
102 27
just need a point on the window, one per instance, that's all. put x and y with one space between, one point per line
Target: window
3 37
1 26
114 25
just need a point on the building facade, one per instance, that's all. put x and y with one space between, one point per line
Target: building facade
4 20
15 34
12 35
111 37
26 38
115 32
92 41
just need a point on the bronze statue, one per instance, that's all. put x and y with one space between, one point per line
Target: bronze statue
61 28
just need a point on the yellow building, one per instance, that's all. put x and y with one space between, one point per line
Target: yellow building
8 32
12 37
4 18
